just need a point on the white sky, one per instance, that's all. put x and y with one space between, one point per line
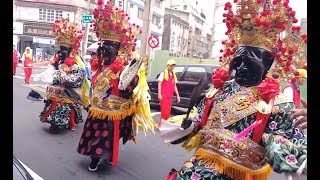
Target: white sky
300 6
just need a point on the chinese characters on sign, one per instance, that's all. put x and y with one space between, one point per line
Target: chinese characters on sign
38 30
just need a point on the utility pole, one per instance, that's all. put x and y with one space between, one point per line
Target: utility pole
86 32
147 18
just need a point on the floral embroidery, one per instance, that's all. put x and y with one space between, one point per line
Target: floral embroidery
273 125
275 147
195 176
291 159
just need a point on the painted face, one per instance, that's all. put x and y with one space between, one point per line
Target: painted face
251 65
63 53
108 52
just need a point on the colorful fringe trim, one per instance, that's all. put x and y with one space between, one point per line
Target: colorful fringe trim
231 169
111 115
64 100
142 120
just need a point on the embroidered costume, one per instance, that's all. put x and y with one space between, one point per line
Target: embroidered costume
120 99
69 90
242 129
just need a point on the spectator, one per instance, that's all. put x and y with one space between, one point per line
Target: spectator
166 88
16 56
27 60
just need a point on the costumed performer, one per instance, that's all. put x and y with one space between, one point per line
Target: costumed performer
120 99
242 129
69 90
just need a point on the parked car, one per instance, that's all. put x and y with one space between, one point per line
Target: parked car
22 172
188 76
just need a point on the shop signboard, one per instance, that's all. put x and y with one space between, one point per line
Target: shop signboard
38 29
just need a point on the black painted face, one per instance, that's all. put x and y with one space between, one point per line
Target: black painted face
108 52
63 53
251 65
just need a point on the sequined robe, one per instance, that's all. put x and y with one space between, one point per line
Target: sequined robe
218 156
58 107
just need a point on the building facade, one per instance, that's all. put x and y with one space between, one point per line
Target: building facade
33 21
136 10
200 33
175 35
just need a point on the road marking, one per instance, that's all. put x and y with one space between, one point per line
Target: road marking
34 87
155 113
32 173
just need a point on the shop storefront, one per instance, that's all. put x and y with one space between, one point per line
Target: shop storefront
17 31
38 36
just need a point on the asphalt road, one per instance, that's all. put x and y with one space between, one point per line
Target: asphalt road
53 156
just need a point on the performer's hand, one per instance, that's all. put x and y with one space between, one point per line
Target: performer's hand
160 97
186 123
301 114
178 99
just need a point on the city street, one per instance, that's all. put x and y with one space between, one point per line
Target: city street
53 156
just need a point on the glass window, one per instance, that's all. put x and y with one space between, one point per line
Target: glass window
194 74
155 20
157 3
140 13
58 15
178 70
50 15
42 14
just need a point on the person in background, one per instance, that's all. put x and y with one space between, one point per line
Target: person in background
292 89
166 88
15 60
27 61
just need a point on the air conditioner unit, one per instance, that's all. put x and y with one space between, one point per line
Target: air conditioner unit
159 25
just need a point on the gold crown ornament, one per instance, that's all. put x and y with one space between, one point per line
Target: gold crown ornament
259 23
112 23
67 33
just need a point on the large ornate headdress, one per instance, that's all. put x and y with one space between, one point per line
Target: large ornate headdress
67 33
112 23
259 23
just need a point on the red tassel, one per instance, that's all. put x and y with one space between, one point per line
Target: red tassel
116 134
206 110
53 106
258 131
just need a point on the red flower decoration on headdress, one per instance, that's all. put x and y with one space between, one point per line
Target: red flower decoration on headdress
116 66
269 89
219 77
69 61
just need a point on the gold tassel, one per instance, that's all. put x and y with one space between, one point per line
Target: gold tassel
231 169
112 116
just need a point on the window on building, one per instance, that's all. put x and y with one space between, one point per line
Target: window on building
185 7
131 5
50 15
157 3
58 15
140 13
155 20
42 14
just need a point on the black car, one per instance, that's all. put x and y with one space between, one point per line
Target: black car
188 76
